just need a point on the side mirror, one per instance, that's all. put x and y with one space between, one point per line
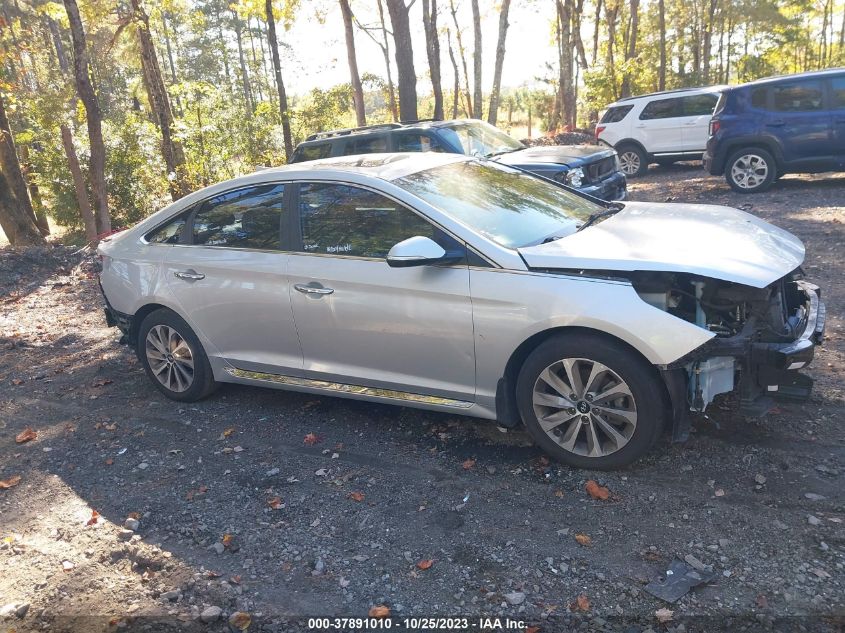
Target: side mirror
415 251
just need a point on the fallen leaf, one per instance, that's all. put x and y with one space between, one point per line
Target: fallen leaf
311 439
110 427
236 579
425 564
584 540
25 436
356 496
379 611
202 490
114 621
719 492
212 574
94 516
559 493
17 382
532 629
134 515
14 480
468 464
664 615
101 382
229 431
109 461
240 620
275 503
582 603
227 540
596 491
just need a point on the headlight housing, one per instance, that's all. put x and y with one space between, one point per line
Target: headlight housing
575 177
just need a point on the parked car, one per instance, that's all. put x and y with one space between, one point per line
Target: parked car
662 127
771 127
464 285
592 170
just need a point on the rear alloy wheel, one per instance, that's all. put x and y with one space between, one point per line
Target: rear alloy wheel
633 161
173 357
751 170
589 402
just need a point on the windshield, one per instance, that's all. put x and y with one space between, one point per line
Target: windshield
477 138
510 207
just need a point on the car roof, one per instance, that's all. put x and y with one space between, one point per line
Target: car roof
380 128
387 166
806 75
670 93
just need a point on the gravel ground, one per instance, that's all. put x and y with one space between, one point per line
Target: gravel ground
258 507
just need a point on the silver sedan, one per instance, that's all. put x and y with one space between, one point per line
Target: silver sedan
459 284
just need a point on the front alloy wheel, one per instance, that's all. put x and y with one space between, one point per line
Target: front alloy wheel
589 401
632 161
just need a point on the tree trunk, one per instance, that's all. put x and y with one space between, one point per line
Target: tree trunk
255 63
171 149
280 84
385 49
708 41
85 211
34 193
97 162
357 89
631 50
596 25
493 111
477 103
432 49
11 166
566 93
16 223
661 22
611 13
462 53
248 98
404 52
456 90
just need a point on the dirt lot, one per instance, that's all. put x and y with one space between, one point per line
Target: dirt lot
280 505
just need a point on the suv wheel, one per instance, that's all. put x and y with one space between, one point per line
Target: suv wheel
751 170
633 161
589 402
173 357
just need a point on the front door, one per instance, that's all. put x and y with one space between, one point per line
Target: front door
361 322
837 98
229 276
660 126
802 123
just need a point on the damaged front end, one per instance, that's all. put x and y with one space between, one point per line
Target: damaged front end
763 337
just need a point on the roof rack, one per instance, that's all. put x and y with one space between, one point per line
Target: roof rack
353 130
669 92
410 121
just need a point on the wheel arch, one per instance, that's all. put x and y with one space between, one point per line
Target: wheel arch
506 409
755 143
632 141
139 316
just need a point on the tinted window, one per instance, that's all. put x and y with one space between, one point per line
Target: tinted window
313 152
170 233
244 218
369 145
416 142
698 105
804 96
344 220
614 115
837 86
662 109
759 98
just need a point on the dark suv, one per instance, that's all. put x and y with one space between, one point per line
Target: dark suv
771 127
589 169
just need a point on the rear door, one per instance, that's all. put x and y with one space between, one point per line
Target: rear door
660 126
363 323
228 273
697 111
837 105
801 122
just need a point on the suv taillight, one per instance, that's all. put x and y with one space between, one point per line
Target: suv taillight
599 130
714 126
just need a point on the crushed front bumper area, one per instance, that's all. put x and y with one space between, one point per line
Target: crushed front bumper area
121 321
764 371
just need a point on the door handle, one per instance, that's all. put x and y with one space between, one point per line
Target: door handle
190 275
313 290
641 125
777 123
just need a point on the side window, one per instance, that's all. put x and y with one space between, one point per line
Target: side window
313 152
837 92
369 145
244 218
759 98
344 220
416 142
661 109
698 105
614 115
170 233
804 96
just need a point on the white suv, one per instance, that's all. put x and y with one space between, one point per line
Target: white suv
661 127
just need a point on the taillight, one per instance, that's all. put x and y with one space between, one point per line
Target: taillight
714 126
599 130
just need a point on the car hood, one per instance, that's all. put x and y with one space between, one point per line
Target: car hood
556 154
707 240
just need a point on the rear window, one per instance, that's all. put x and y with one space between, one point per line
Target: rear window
838 92
312 152
698 105
803 96
614 115
661 109
760 98
368 145
720 104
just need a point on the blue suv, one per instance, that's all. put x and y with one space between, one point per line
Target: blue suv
771 127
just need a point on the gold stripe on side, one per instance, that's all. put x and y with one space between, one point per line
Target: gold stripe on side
344 388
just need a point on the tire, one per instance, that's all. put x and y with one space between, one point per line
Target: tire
640 398
751 170
173 357
633 160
